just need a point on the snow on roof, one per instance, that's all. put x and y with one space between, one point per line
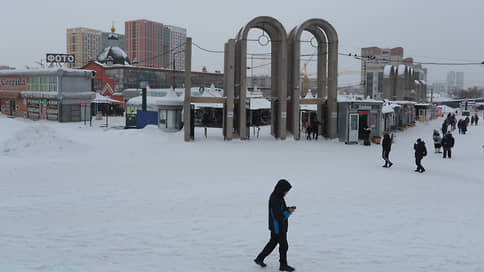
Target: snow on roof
423 104
387 108
103 100
309 95
46 71
170 99
446 108
361 101
310 107
212 92
405 102
417 82
259 104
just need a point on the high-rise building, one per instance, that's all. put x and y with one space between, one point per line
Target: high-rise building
84 43
177 39
153 44
455 81
459 80
450 80
145 43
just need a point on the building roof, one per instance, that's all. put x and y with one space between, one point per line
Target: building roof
47 72
114 54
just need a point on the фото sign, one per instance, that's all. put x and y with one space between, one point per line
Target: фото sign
60 58
13 83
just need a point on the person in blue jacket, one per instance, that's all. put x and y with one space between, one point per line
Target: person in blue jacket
278 223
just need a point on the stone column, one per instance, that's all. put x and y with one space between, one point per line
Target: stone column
229 73
332 89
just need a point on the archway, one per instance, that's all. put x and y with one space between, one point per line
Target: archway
278 39
327 72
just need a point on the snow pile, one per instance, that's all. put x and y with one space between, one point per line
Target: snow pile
37 139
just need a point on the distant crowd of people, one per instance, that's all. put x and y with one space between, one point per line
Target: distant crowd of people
445 142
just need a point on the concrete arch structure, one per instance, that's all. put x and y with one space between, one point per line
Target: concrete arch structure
278 38
327 71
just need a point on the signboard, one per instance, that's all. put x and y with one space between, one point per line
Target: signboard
283 114
230 114
334 115
13 83
60 58
364 107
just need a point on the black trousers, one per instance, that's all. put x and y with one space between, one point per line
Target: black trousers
386 155
418 162
280 239
315 133
447 151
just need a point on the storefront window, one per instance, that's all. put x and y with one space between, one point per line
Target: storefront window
42 84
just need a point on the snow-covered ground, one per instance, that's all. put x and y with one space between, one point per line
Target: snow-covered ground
75 198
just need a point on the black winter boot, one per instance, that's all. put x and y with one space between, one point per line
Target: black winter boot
286 268
260 262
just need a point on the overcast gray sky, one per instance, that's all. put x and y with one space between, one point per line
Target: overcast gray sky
429 31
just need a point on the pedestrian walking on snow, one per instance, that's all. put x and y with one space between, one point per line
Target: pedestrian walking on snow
387 147
315 127
278 223
420 152
445 125
448 143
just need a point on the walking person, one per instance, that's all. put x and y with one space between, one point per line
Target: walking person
437 141
448 143
420 152
308 132
464 126
476 121
445 125
387 147
459 125
278 223
472 120
315 127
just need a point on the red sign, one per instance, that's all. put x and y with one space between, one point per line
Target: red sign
363 111
13 83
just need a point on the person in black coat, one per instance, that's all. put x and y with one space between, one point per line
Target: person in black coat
387 147
448 142
420 152
278 224
465 123
315 128
445 125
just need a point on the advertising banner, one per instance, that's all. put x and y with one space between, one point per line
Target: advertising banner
13 83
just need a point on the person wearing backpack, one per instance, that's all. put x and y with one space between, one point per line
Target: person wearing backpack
420 152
